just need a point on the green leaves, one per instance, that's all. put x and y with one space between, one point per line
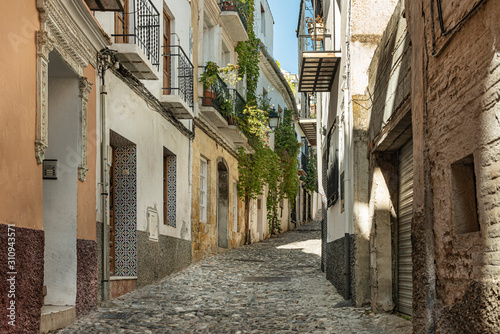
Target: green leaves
310 182
248 55
276 169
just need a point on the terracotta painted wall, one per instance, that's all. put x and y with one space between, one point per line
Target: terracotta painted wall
86 190
20 176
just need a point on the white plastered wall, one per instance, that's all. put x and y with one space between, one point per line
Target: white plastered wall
132 118
60 196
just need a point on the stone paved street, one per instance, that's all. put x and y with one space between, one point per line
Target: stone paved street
274 286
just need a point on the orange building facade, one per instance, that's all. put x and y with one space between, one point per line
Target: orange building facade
48 108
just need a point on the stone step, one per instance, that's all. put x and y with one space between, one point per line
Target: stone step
56 317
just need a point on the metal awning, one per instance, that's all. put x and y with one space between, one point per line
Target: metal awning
309 128
105 5
318 70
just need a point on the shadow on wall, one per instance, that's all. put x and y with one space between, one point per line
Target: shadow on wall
463 127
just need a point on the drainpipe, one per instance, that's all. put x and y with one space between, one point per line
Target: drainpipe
190 179
105 62
104 196
348 123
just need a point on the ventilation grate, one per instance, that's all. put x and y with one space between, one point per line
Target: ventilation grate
115 315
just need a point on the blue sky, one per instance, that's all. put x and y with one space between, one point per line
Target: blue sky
286 15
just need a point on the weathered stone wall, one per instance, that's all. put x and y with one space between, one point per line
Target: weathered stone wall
389 74
28 287
390 127
456 113
157 259
360 254
204 234
336 265
86 276
335 268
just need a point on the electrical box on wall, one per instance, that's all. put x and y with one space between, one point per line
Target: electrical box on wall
50 169
153 223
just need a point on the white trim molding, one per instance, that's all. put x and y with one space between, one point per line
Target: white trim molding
67 29
85 89
43 45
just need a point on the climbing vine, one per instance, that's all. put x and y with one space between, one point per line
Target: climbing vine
252 165
310 182
248 54
262 166
282 173
287 147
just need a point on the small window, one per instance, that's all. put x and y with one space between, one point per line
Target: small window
235 206
203 189
169 188
464 196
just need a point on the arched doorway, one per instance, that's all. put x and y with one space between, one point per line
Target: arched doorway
222 203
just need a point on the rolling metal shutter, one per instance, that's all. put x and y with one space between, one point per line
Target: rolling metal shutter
405 213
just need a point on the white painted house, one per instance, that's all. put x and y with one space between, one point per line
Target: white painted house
147 115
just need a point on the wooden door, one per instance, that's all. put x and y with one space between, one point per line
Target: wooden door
166 51
122 24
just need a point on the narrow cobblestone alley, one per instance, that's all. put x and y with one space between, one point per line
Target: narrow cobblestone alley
274 286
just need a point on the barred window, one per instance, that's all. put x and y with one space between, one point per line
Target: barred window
333 166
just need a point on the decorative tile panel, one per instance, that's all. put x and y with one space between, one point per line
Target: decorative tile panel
171 190
125 194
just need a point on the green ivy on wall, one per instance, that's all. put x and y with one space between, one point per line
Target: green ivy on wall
248 54
310 182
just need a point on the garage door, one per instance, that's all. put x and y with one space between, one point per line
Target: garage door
405 213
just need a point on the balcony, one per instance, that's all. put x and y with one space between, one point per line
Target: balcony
234 20
222 107
177 93
232 132
319 61
307 119
303 164
105 5
138 39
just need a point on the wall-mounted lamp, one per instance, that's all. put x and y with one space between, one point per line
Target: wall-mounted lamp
274 119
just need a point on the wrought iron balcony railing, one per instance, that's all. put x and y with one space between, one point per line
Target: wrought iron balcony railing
303 162
316 39
238 6
180 73
218 96
143 20
238 103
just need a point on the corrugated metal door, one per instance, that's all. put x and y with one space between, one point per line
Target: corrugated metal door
405 213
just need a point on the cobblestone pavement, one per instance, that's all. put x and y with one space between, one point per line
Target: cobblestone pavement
274 286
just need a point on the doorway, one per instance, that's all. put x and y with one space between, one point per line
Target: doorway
60 193
405 215
123 207
122 24
222 204
260 219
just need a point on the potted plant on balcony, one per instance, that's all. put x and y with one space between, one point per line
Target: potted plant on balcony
228 5
226 108
208 78
316 28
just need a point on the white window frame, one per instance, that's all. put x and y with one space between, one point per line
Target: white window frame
203 189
